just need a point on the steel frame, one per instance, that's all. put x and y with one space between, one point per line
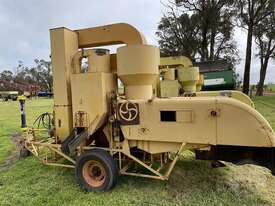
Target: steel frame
124 157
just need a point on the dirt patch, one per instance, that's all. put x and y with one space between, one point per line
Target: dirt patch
17 141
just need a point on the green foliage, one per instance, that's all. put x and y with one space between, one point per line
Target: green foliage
172 42
265 39
251 15
40 74
28 182
198 29
6 75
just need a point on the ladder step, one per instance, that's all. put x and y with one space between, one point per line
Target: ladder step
70 144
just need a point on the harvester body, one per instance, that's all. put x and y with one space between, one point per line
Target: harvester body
138 127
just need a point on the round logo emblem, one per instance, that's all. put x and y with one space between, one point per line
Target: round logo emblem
128 111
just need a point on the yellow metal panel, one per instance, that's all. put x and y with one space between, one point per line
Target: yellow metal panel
228 93
89 92
120 33
213 121
176 61
152 129
96 63
200 82
137 68
188 77
169 74
64 44
155 147
240 124
169 88
63 121
185 116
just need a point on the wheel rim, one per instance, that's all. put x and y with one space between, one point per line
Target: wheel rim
94 173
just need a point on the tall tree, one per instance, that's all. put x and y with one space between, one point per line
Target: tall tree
20 72
40 74
198 29
250 15
6 75
265 40
43 74
178 35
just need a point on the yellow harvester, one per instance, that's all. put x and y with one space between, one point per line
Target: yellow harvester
102 134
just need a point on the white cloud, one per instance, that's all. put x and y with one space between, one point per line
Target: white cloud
25 25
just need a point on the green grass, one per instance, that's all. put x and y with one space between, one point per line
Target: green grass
266 106
271 86
28 182
267 87
10 121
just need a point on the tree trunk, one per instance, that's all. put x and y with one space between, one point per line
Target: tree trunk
204 44
260 86
212 45
246 78
204 30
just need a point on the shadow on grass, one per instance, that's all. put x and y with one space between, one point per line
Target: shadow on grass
191 183
194 182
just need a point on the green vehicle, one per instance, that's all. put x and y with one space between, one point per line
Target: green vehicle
219 80
218 75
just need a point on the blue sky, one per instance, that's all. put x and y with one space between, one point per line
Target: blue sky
25 26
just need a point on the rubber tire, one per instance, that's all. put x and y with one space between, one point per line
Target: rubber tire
107 162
